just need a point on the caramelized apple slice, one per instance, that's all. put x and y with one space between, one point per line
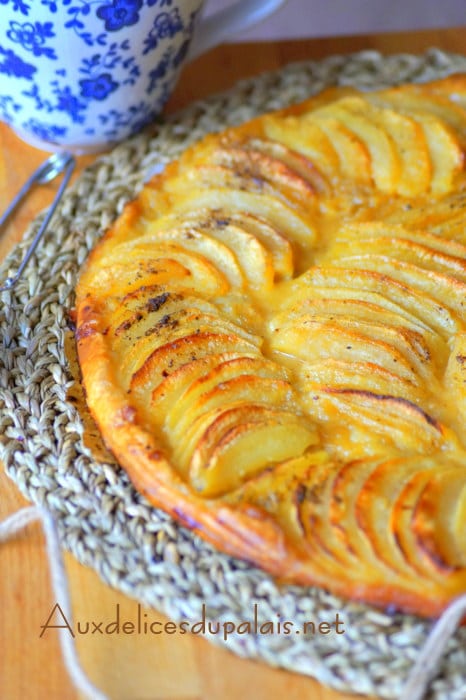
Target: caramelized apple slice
373 299
158 264
245 389
380 230
307 138
356 309
455 378
444 146
216 377
212 222
351 541
358 117
338 374
165 359
439 519
246 449
148 334
445 152
412 149
165 395
133 320
313 339
254 259
448 290
293 160
190 241
352 152
279 489
374 422
263 170
112 280
401 523
405 250
169 329
428 309
373 509
279 247
293 492
295 226
413 100
430 213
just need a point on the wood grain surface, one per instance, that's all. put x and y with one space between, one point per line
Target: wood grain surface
162 667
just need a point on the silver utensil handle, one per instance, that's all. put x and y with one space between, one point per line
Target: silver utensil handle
11 281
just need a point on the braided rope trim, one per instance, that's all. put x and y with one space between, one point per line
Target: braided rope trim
101 519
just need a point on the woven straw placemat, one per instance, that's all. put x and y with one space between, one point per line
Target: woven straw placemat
101 519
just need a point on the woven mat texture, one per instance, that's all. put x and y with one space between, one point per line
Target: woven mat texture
101 518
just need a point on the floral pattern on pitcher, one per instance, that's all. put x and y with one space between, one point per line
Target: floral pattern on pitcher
72 70
111 62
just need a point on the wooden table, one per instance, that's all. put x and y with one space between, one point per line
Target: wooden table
125 667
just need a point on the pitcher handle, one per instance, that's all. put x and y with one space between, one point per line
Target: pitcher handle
223 24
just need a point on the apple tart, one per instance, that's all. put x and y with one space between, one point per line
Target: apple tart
272 340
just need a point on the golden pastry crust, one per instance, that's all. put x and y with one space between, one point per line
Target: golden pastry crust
272 340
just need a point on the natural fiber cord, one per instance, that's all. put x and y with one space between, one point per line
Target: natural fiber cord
99 516
10 527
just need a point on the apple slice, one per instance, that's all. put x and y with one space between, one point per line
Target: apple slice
166 359
296 226
358 117
153 332
244 389
449 291
213 221
428 309
279 490
157 264
352 544
455 379
438 519
246 449
414 100
189 241
401 520
110 280
410 343
338 374
412 149
216 377
360 422
172 329
373 513
307 138
443 123
445 150
372 230
372 298
353 154
312 339
264 170
293 492
348 308
165 395
278 246
135 320
254 259
295 161
403 249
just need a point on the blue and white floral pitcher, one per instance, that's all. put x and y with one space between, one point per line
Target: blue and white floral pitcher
85 74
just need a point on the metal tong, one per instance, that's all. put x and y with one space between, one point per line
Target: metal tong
46 172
